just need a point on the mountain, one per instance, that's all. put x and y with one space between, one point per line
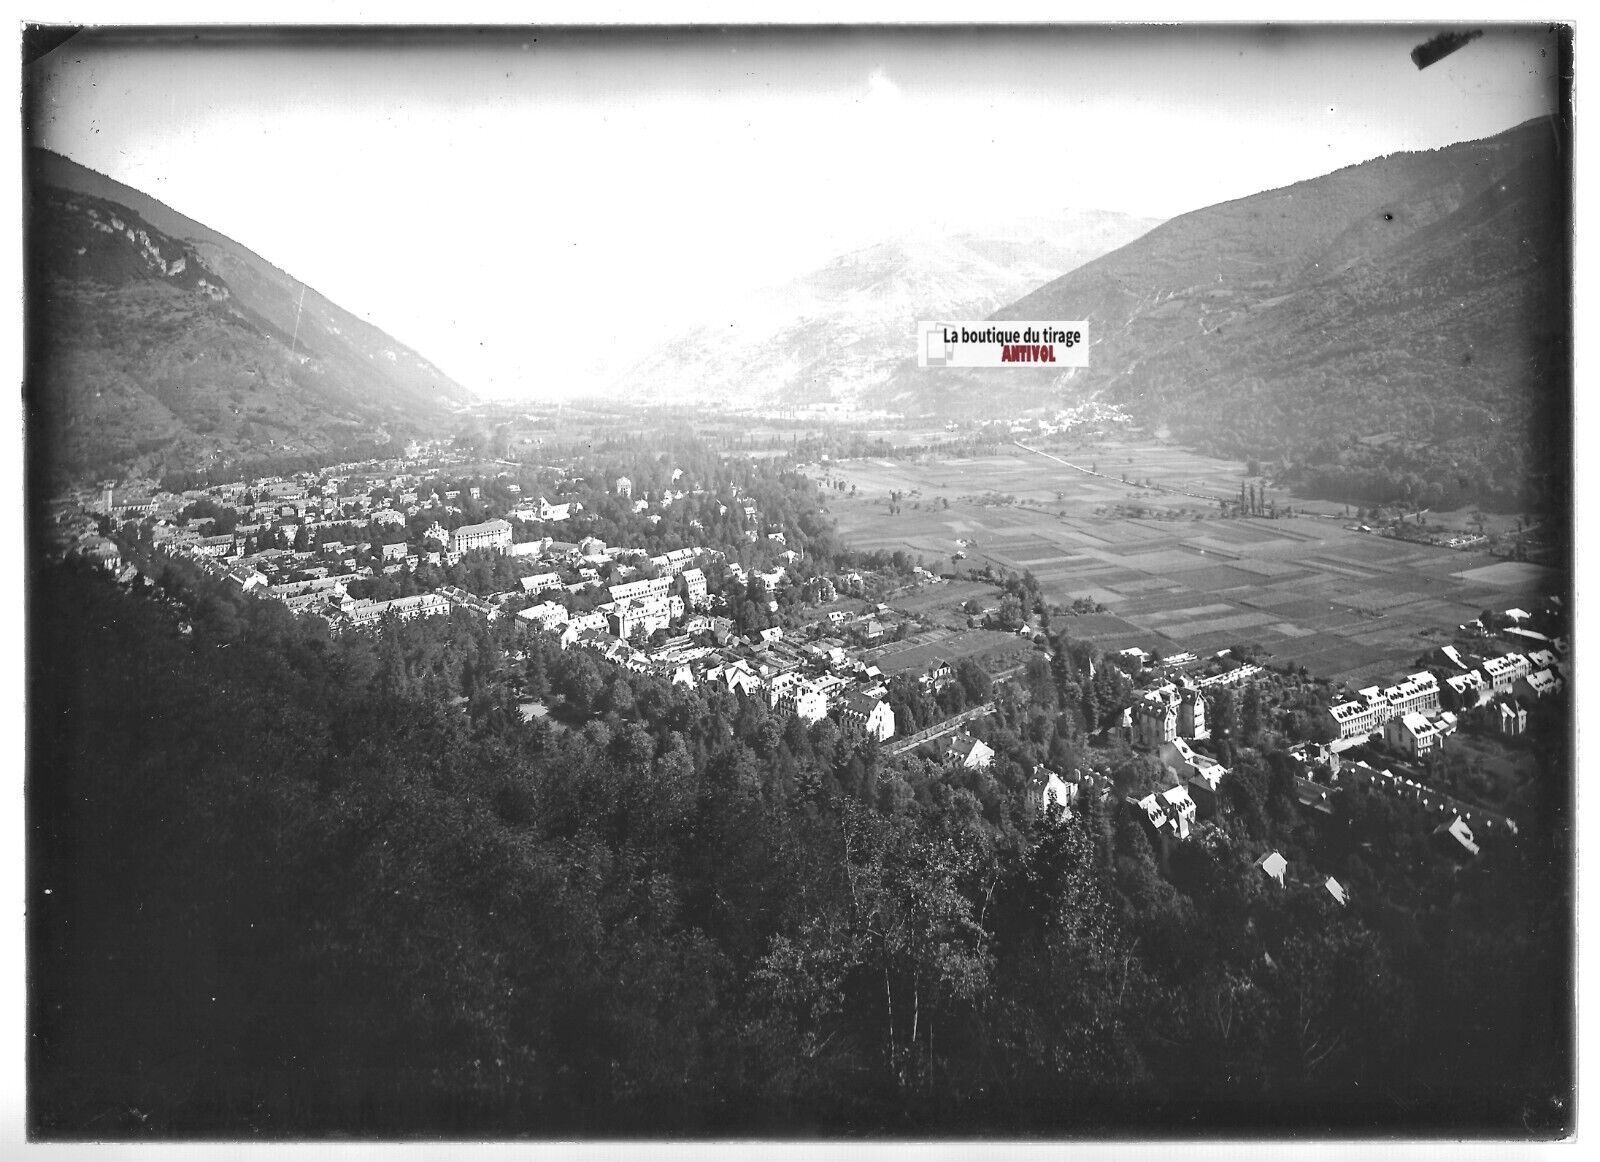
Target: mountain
837 335
1397 325
159 344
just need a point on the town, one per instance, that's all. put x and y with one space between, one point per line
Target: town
361 546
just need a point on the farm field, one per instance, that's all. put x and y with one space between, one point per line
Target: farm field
926 650
1347 605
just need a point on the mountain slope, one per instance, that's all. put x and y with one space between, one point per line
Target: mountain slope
838 334
157 343
1417 301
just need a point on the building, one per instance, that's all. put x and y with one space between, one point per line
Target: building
545 615
101 552
699 595
1510 718
1155 721
645 587
1170 812
395 551
1191 712
1355 718
1417 694
971 753
222 546
471 602
366 612
791 693
1456 838
1537 685
247 579
1170 711
642 615
539 582
1273 866
1464 691
1049 794
1413 734
869 714
1187 764
493 534
1504 671
624 488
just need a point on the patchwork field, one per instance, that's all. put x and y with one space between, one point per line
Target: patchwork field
1347 605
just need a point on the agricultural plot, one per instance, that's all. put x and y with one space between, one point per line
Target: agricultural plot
1509 574
921 656
951 594
1347 605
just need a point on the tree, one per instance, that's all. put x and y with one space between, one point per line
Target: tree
1250 714
1090 705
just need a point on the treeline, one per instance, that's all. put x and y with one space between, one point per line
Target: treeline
282 884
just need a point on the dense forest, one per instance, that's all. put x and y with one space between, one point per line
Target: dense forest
282 884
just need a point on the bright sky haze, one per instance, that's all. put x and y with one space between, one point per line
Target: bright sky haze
532 209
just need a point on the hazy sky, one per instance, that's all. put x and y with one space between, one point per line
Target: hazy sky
515 204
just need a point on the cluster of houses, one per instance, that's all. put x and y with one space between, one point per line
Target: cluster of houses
1413 715
811 680
1417 714
1065 420
266 552
673 595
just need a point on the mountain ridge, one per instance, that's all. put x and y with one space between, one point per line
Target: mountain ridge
1421 294
158 343
831 337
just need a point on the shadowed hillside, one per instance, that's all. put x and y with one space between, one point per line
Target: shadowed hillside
1398 325
157 343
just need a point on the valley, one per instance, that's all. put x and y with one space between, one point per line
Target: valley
1172 573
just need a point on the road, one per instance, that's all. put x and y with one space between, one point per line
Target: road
1119 480
938 730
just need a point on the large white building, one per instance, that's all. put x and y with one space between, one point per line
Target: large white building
699 594
869 714
639 614
1504 671
792 693
645 587
1372 707
493 534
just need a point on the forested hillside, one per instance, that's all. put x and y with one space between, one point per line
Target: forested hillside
288 885
158 344
1395 330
